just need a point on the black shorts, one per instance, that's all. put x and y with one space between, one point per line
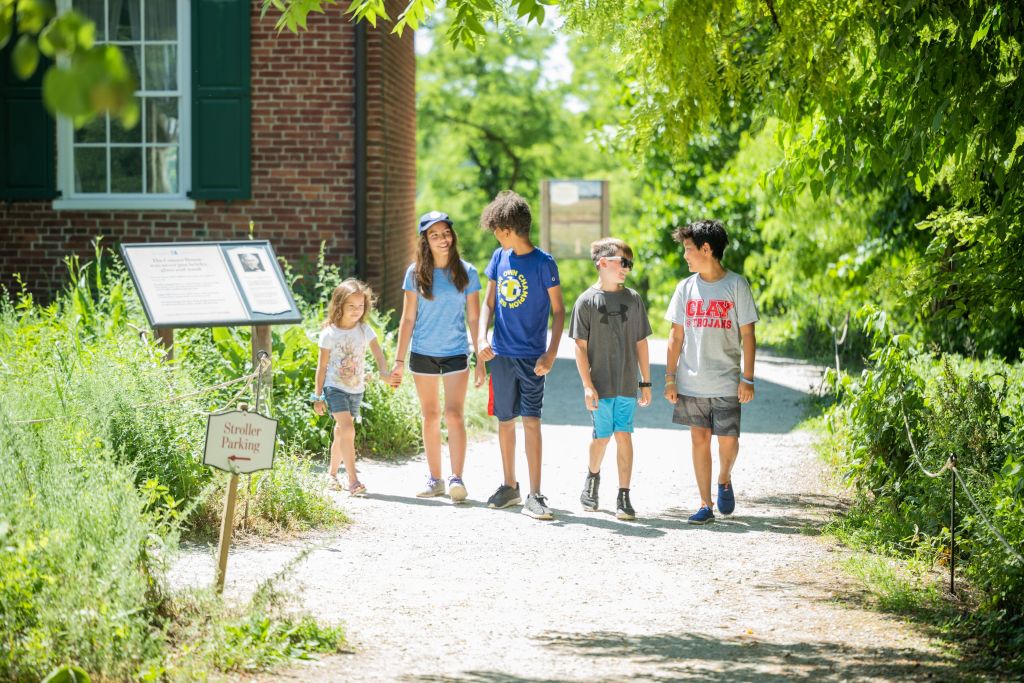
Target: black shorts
437 365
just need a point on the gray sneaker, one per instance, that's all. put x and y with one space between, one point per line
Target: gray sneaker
537 507
504 497
432 489
456 489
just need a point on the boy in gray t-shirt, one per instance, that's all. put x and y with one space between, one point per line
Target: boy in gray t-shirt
712 314
610 326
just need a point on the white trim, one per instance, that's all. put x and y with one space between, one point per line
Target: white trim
141 201
151 202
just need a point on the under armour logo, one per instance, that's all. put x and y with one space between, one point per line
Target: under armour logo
605 314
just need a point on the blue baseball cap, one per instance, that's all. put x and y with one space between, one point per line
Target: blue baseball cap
431 217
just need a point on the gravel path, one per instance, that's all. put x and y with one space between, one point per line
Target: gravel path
431 591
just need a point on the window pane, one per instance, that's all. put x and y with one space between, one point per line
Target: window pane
126 169
94 131
161 20
161 67
125 20
119 134
94 10
162 170
90 169
162 119
132 57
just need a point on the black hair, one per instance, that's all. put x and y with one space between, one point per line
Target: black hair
704 231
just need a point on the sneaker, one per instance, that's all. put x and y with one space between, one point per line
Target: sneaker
504 497
726 499
588 499
702 516
432 489
537 507
356 489
456 489
332 483
623 508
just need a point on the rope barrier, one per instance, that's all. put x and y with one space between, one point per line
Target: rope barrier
951 466
264 363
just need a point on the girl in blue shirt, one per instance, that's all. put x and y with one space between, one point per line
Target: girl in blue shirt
441 297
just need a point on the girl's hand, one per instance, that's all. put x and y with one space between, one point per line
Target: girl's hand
479 374
397 372
319 407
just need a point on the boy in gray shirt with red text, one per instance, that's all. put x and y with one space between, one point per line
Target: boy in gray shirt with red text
610 326
712 314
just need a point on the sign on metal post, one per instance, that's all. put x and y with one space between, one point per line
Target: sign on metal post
573 213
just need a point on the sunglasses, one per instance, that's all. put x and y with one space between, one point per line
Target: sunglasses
626 263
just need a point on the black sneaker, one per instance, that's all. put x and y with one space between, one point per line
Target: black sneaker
504 497
623 508
588 499
537 507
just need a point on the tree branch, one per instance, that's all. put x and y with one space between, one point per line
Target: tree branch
775 17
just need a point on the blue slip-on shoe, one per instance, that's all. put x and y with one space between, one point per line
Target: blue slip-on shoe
702 516
726 499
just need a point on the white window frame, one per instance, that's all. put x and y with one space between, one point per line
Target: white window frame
69 200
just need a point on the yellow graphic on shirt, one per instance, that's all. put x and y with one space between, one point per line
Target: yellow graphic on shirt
512 289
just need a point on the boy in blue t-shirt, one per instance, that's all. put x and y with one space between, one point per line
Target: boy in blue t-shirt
523 290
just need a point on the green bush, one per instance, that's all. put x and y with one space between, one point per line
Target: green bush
954 406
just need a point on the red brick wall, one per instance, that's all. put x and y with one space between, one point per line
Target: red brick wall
303 166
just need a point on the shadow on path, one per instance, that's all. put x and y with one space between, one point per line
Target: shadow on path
775 410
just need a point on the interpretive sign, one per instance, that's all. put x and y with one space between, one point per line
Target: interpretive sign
240 442
210 284
574 213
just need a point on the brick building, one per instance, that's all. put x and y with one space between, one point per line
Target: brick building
310 136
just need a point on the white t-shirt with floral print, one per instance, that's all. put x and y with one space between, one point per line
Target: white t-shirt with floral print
346 369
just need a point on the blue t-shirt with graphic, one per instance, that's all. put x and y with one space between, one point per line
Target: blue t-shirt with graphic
521 302
440 328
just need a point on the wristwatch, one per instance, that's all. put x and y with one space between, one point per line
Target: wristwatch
645 384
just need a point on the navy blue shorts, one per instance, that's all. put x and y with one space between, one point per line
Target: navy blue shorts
515 389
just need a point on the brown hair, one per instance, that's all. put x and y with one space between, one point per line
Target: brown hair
508 210
703 232
424 267
341 293
609 246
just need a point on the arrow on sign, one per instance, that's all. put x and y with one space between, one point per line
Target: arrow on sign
237 457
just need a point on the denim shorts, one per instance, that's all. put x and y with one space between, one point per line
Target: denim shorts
721 414
339 401
613 414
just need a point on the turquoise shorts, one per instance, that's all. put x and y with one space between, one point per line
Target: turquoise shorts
613 415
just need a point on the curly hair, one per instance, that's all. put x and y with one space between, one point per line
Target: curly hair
508 210
609 246
341 294
704 231
424 268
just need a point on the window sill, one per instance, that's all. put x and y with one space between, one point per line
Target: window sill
125 204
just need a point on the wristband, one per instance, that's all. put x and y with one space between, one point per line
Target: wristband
399 362
314 398
746 381
669 381
645 385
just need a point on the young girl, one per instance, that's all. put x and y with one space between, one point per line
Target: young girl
340 373
440 298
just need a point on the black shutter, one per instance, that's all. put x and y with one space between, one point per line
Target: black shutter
221 99
28 134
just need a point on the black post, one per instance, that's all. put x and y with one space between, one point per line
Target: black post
952 523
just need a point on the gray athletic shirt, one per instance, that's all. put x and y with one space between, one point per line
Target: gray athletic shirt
711 314
611 323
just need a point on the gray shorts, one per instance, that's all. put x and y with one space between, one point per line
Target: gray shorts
339 401
720 414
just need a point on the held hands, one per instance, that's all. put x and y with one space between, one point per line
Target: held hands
484 352
590 398
544 364
745 393
645 397
397 372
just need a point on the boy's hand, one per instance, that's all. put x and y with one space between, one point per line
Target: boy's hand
485 352
590 398
544 364
670 392
645 397
745 392
319 408
479 373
